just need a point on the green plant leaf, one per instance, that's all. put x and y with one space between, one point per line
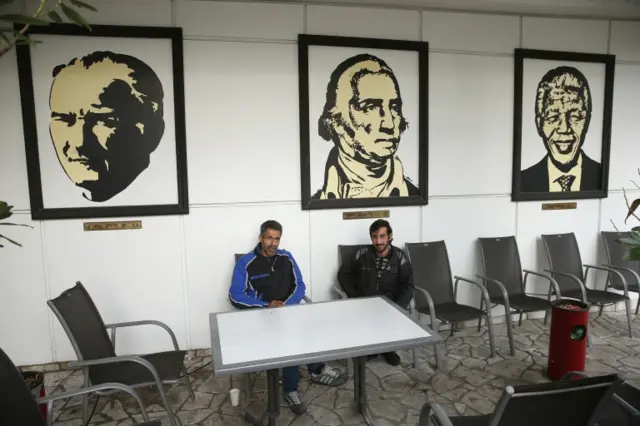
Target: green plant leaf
634 253
83 5
629 241
26 40
55 17
74 16
10 240
22 19
632 208
5 210
15 224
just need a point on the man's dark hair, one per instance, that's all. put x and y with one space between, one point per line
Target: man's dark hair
380 223
329 116
270 224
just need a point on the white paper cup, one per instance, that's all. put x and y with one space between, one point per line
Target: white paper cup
235 396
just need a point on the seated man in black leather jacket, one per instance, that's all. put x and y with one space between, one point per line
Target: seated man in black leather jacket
379 270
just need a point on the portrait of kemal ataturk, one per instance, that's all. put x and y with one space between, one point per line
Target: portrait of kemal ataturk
564 127
106 120
363 118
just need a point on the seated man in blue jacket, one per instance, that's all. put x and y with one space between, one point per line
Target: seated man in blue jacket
269 277
380 269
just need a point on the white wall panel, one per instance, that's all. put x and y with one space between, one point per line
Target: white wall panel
125 12
363 22
625 128
625 40
584 222
242 122
214 235
460 222
470 113
24 324
328 230
471 32
574 35
240 20
13 163
131 275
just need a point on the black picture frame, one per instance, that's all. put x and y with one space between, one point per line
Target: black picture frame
421 48
26 80
595 191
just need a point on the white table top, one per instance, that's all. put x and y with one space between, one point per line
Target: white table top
259 339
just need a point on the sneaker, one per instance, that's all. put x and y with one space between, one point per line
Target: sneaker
294 400
329 376
392 358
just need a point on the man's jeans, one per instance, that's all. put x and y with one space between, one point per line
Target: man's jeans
291 376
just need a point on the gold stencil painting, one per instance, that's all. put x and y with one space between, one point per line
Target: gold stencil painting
562 126
354 131
104 122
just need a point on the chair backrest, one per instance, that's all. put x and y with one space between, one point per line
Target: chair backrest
501 262
432 270
622 408
561 403
17 404
616 253
564 256
238 256
82 322
345 253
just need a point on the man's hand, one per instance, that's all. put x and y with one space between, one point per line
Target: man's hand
276 304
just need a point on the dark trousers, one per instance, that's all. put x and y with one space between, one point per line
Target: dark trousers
291 376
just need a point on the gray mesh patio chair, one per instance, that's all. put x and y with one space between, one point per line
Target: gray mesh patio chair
567 268
630 269
346 254
96 353
560 403
505 283
436 292
19 407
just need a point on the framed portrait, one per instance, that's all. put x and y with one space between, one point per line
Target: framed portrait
562 125
363 122
104 121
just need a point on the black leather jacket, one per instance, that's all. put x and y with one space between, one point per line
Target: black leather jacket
358 276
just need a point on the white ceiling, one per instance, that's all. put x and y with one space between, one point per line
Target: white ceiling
620 9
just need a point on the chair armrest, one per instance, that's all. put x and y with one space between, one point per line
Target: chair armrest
503 290
610 271
622 268
583 289
116 359
552 282
114 326
427 296
341 292
483 290
435 412
101 387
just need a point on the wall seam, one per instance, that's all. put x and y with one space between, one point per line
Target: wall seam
47 286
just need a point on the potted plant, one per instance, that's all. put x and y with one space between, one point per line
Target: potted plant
633 241
49 11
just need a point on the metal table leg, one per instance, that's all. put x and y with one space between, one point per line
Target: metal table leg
360 389
273 405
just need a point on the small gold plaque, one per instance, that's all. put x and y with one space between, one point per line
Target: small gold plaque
559 206
372 214
113 226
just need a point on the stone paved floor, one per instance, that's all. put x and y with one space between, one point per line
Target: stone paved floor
468 382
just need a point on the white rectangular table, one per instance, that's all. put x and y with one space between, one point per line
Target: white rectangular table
269 339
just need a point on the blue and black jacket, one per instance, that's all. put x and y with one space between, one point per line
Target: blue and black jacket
258 280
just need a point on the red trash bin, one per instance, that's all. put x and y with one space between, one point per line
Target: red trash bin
35 383
567 337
